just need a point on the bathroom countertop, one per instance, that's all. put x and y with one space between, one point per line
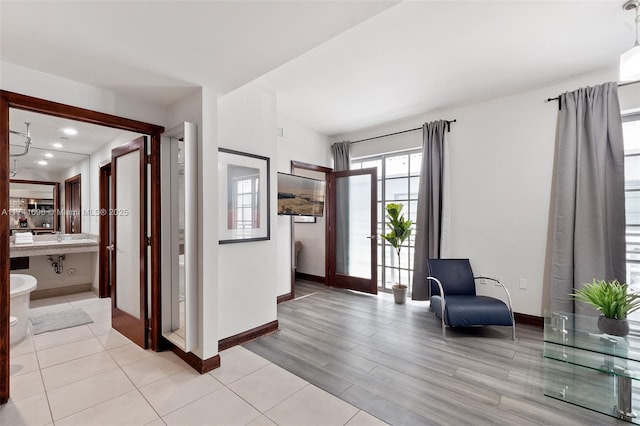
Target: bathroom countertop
43 248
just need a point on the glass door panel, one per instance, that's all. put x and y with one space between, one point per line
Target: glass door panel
353 242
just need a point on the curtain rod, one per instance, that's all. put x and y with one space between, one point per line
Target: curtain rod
402 131
557 98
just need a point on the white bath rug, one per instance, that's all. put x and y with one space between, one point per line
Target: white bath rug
59 320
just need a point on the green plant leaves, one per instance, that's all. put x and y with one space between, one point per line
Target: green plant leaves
399 228
611 298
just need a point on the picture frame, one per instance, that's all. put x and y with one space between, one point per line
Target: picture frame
244 197
304 219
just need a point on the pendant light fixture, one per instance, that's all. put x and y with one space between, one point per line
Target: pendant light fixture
630 60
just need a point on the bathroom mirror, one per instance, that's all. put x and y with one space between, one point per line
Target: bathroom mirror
179 183
43 168
33 206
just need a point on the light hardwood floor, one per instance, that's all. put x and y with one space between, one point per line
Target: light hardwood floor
391 361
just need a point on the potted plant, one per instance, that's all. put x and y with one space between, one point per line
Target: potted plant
399 231
614 302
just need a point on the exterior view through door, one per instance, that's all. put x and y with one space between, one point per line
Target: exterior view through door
352 230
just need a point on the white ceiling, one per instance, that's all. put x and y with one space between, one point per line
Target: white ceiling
422 56
337 65
45 130
160 50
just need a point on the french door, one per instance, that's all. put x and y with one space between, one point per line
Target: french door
352 230
129 244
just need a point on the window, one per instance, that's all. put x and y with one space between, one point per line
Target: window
631 132
245 204
398 180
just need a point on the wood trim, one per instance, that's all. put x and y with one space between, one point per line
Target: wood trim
43 106
36 182
103 253
155 321
29 103
67 202
56 201
528 319
200 365
307 166
309 277
247 336
4 250
285 297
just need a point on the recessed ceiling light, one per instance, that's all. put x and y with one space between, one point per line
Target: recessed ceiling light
48 155
57 145
42 163
69 131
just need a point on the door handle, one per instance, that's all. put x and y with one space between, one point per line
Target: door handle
110 247
372 237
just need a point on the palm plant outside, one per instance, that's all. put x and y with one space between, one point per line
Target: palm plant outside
399 230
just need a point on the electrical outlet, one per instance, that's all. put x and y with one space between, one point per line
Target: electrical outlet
523 283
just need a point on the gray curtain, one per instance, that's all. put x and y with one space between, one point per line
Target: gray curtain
341 156
589 207
341 161
429 216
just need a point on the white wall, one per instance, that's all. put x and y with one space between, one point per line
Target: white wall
210 288
298 143
26 81
35 174
200 108
401 142
78 268
501 166
247 271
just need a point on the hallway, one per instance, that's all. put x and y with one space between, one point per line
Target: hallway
92 375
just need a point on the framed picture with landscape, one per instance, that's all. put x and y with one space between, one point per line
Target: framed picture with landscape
243 191
300 196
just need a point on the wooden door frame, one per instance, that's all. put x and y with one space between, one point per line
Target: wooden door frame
10 100
321 169
67 201
103 253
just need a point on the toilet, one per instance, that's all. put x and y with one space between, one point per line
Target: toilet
13 321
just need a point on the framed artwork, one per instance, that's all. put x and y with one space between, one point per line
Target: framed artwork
243 191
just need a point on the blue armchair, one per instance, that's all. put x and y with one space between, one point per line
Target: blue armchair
454 299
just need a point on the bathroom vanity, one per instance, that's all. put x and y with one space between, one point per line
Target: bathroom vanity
60 267
48 245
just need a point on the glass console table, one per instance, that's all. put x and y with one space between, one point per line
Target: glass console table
585 367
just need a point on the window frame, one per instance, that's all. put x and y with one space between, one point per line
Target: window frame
410 202
631 230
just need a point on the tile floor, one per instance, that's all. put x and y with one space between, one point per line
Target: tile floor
92 375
